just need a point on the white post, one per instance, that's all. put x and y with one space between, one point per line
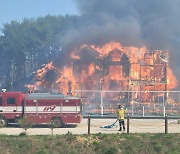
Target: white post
164 111
172 108
101 103
163 106
132 109
143 111
158 103
163 99
132 104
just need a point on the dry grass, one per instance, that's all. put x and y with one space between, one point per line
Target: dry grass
97 143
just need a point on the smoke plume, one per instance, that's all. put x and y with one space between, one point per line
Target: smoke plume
151 23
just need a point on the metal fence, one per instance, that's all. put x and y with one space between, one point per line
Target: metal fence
133 124
138 103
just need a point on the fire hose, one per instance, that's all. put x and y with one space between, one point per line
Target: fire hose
110 126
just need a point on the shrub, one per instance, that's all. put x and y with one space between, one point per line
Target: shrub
112 150
25 123
23 134
42 152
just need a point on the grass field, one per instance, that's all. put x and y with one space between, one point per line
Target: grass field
96 143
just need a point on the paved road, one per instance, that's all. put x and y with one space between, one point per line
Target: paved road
136 126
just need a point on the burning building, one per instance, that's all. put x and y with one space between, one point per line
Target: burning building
136 74
111 67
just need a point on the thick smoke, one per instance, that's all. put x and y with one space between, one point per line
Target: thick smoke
151 23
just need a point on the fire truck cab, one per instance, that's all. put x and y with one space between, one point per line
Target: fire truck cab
39 108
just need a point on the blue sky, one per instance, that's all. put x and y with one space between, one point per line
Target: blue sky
20 9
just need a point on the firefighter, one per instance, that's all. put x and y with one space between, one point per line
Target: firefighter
120 116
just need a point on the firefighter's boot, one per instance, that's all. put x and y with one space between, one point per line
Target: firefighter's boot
120 129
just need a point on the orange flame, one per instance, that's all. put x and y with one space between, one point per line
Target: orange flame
141 65
171 80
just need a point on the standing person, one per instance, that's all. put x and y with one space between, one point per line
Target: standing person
120 116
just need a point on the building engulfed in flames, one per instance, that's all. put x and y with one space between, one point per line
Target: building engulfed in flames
110 67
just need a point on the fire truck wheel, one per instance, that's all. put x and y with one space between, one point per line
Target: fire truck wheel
3 122
56 122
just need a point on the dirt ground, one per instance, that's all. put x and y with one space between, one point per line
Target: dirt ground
136 126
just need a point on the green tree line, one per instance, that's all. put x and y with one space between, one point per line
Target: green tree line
26 45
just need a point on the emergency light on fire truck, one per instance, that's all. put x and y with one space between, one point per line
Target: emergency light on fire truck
39 108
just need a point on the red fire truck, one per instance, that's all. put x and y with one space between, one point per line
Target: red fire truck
39 108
